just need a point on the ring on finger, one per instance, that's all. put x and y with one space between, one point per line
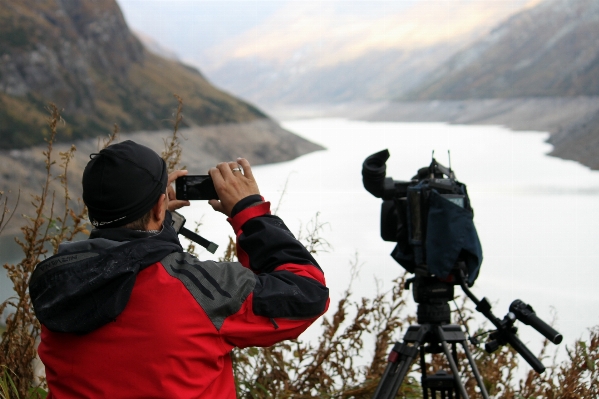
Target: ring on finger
236 170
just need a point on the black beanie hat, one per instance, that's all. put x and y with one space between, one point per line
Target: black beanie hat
122 183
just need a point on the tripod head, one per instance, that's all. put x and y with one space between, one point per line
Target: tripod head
433 295
435 334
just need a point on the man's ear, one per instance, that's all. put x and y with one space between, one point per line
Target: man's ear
159 209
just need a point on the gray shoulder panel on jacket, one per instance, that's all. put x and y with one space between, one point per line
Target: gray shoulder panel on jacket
219 288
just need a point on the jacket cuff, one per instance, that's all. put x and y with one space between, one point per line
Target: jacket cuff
246 214
246 203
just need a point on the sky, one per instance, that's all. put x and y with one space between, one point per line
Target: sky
179 24
208 34
193 27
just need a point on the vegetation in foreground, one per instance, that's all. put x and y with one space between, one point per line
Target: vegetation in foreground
293 369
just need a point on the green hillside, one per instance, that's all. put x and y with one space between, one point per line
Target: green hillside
82 56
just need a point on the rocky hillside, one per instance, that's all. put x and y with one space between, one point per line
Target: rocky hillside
260 141
547 51
82 56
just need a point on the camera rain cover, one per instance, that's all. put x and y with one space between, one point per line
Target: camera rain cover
451 235
448 235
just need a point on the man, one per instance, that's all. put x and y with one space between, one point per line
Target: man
127 313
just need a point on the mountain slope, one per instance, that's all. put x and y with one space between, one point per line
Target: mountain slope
549 50
82 56
312 52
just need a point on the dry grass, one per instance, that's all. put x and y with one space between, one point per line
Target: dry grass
41 233
112 137
172 145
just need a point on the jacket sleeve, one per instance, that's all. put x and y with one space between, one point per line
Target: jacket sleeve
289 292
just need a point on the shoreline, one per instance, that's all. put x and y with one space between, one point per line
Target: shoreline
262 141
572 122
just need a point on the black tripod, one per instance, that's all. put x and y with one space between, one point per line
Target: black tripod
429 338
430 218
434 334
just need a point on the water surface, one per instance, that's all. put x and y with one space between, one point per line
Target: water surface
536 215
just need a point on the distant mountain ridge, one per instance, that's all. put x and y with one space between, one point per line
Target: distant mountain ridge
316 58
82 56
538 70
547 51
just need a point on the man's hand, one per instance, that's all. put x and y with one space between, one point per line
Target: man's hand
173 203
233 182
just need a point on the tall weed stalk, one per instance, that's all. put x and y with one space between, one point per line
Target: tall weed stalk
172 145
41 232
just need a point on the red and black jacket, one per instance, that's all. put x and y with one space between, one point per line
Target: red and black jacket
127 314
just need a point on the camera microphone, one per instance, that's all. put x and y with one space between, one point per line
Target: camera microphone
527 315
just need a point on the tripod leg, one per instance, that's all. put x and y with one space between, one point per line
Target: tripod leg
423 374
452 364
400 360
477 376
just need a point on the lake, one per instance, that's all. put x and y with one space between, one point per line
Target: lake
536 215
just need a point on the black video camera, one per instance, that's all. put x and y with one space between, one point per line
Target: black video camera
430 217
431 220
